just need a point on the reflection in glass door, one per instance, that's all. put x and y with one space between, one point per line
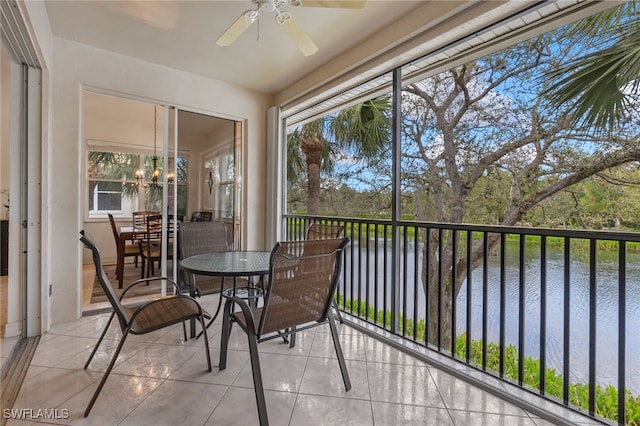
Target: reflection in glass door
212 146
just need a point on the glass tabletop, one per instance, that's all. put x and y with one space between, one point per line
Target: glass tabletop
229 263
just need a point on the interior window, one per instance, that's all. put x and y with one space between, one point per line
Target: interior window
113 187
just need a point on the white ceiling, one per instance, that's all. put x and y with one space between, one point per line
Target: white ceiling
182 35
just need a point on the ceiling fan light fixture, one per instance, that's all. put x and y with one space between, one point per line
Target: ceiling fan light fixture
284 19
238 27
297 34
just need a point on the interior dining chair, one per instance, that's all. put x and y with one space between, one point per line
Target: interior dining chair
144 317
319 231
130 250
150 244
140 219
203 216
302 279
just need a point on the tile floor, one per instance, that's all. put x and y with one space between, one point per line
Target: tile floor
161 380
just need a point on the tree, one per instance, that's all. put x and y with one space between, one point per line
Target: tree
363 131
485 118
601 85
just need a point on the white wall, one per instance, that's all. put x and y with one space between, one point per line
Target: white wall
76 66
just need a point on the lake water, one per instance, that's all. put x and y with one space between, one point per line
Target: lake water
606 310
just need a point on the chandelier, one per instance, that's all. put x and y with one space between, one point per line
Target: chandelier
155 175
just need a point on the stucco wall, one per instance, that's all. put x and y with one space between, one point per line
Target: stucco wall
76 66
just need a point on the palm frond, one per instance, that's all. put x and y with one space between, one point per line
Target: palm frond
364 128
598 87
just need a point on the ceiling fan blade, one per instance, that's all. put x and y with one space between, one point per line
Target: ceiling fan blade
343 4
235 30
299 37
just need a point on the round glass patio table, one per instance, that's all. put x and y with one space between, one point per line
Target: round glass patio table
231 264
228 263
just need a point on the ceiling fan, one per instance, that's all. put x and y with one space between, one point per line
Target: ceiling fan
284 19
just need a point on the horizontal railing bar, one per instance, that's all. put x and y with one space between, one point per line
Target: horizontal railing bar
549 232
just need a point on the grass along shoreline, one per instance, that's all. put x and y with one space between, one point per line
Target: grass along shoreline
606 398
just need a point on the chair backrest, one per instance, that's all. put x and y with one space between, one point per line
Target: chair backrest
104 281
317 231
303 276
201 216
154 231
114 228
202 237
140 219
153 226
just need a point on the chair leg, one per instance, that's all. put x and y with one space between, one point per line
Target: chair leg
106 373
144 262
257 379
104 332
338 348
292 337
337 309
206 340
213 318
226 333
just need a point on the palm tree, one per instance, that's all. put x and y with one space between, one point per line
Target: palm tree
605 83
362 131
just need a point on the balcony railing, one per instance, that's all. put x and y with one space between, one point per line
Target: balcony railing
545 310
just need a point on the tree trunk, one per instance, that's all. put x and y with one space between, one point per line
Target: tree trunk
437 283
312 148
441 286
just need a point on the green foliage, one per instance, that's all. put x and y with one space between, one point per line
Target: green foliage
604 201
596 84
606 397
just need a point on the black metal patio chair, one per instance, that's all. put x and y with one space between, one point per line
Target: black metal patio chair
319 231
144 317
302 279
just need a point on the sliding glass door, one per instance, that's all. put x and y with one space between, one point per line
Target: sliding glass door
152 157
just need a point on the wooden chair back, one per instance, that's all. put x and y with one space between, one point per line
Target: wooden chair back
140 219
203 216
114 228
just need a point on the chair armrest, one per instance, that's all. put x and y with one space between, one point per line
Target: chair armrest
147 280
246 312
